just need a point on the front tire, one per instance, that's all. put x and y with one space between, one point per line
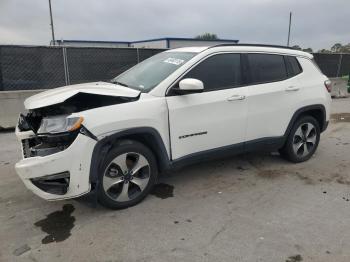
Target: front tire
302 140
127 175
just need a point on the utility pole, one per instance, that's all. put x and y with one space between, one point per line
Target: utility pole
52 28
290 23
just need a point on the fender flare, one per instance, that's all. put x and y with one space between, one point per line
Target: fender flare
104 145
303 110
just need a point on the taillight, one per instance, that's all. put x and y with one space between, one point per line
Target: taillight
328 85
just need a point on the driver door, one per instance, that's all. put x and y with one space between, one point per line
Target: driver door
215 118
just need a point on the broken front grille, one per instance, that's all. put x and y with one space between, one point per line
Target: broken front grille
26 148
47 145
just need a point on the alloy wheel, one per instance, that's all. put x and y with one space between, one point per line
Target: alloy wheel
304 139
126 177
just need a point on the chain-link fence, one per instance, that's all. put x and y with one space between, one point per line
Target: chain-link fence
41 67
333 65
26 68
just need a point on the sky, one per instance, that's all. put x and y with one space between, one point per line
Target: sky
316 23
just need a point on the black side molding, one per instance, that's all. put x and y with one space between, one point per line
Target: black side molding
210 154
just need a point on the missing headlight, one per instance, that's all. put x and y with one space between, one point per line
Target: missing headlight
43 145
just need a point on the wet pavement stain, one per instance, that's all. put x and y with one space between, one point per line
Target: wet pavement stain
296 258
163 191
21 250
343 181
57 225
269 173
306 179
341 117
240 168
346 199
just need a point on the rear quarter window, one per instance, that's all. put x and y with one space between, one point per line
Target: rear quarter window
293 66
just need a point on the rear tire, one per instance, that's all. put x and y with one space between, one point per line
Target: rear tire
302 140
127 175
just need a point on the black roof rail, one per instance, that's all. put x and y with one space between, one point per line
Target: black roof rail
257 45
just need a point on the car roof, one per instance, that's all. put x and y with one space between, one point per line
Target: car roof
244 48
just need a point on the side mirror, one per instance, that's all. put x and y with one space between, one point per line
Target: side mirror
189 85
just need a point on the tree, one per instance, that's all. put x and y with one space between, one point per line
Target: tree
207 36
345 48
336 48
339 48
309 50
325 51
296 47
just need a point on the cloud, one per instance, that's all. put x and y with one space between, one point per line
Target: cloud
316 23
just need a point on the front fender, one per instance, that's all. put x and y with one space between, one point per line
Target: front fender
147 135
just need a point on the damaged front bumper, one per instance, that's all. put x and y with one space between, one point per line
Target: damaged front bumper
52 170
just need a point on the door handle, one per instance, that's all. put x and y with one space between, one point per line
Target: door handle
292 88
236 97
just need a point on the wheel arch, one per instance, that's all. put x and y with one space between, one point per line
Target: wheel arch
148 136
317 111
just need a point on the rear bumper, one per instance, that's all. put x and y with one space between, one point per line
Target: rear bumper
75 160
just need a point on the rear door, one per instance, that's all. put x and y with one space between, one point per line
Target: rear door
214 118
273 94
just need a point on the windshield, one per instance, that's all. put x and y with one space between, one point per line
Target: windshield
149 73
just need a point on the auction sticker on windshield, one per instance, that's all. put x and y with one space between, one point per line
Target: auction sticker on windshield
174 61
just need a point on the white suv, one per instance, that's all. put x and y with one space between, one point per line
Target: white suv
175 108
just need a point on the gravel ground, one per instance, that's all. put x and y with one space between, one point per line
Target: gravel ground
255 207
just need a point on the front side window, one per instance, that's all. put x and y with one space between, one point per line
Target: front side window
218 72
266 68
149 73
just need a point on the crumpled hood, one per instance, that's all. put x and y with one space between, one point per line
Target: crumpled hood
59 95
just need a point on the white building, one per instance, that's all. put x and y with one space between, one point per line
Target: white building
173 42
166 42
87 43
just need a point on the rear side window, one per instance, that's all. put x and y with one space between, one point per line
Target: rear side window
218 72
266 68
293 66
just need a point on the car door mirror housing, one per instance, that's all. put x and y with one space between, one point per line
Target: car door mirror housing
189 85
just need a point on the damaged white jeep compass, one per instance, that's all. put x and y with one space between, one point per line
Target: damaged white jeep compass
175 108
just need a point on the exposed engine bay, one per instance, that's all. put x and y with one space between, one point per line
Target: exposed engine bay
46 143
77 103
